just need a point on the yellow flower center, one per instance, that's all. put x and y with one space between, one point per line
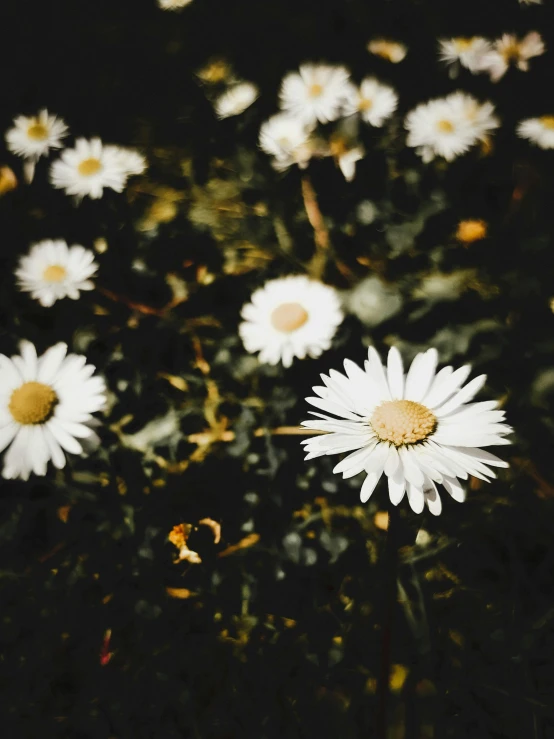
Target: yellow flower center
89 166
54 273
315 90
37 132
288 317
511 52
469 231
365 104
403 422
547 121
463 44
445 126
32 403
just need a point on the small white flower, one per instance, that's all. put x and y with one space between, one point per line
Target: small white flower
88 169
33 137
449 126
510 50
290 317
467 52
419 428
236 99
540 131
315 93
173 4
374 101
287 139
392 51
53 270
46 404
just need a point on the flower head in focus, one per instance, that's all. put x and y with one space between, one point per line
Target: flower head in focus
315 93
290 317
287 139
236 99
373 101
510 50
467 52
391 51
419 429
539 131
53 270
46 405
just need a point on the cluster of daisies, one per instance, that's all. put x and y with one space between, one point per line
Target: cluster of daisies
82 171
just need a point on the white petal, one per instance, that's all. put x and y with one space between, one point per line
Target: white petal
432 498
335 408
420 375
395 374
412 472
16 458
454 488
29 357
416 499
7 433
66 441
397 487
56 454
447 387
355 462
50 362
374 367
461 397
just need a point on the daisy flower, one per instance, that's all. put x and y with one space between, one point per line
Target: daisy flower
479 116
315 93
419 428
290 317
53 270
236 99
173 4
287 139
392 51
510 50
32 138
46 405
88 169
467 52
539 131
374 101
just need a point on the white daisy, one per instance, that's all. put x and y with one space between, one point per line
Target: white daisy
45 406
88 169
53 270
32 138
478 115
392 51
419 429
511 50
173 4
236 99
315 93
374 101
467 52
538 130
290 317
287 139
130 161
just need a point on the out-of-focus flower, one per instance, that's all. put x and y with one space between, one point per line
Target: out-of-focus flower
32 138
374 101
467 52
373 301
88 169
45 407
178 536
173 4
236 99
449 126
8 180
511 50
131 161
290 317
471 230
215 71
53 270
315 93
392 51
346 155
419 428
539 131
287 139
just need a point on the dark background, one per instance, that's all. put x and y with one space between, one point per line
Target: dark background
281 638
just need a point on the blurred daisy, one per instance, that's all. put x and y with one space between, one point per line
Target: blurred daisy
290 317
346 155
392 51
315 93
510 50
287 139
32 138
130 161
88 169
374 101
53 270
539 131
45 406
173 4
478 115
419 429
467 52
236 99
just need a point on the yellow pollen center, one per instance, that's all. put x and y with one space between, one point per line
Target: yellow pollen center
89 167
445 126
547 121
403 422
365 104
463 44
511 52
288 317
315 90
32 403
37 132
54 273
469 231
